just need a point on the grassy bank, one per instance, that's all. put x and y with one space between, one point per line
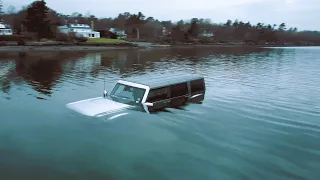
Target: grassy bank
103 44
105 40
90 42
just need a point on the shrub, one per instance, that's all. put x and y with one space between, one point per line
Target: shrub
29 36
205 40
21 42
222 41
113 35
70 37
3 43
108 34
16 38
81 39
62 37
44 40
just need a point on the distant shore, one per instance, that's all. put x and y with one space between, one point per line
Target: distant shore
83 47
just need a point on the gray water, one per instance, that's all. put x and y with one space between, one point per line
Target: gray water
260 118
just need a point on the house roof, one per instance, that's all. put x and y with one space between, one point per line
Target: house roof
207 32
115 29
4 26
162 80
62 27
77 26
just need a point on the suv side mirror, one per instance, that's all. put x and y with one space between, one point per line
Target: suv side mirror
148 104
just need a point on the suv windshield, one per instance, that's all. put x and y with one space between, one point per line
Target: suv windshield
127 94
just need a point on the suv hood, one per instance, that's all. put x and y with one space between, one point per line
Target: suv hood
97 106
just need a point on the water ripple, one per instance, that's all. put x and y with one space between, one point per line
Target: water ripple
260 116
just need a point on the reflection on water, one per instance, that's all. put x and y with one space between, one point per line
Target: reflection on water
44 70
260 116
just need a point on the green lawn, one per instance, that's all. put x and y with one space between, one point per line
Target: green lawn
105 40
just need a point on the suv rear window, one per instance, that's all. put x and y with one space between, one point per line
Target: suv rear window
197 85
157 94
179 89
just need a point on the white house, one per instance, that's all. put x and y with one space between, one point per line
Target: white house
207 34
120 33
5 30
81 30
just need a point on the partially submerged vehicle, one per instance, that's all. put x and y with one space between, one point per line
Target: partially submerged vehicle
147 94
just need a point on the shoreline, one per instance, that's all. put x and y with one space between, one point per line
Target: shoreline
48 48
88 48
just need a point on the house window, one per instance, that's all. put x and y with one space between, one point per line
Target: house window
89 35
92 35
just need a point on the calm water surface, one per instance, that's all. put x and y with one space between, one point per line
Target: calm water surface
260 118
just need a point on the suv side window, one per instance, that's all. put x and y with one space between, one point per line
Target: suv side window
197 85
157 94
179 89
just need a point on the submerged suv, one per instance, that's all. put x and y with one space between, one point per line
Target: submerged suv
148 94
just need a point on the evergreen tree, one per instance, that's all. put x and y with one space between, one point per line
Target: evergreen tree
36 20
193 30
136 21
282 27
228 24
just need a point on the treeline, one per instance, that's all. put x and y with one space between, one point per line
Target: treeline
39 19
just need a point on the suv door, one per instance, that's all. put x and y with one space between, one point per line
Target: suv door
159 98
179 94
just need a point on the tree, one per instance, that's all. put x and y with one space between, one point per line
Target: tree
18 19
136 21
269 27
236 23
193 30
247 25
152 28
282 27
119 22
36 19
180 23
228 24
177 33
260 26
167 24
